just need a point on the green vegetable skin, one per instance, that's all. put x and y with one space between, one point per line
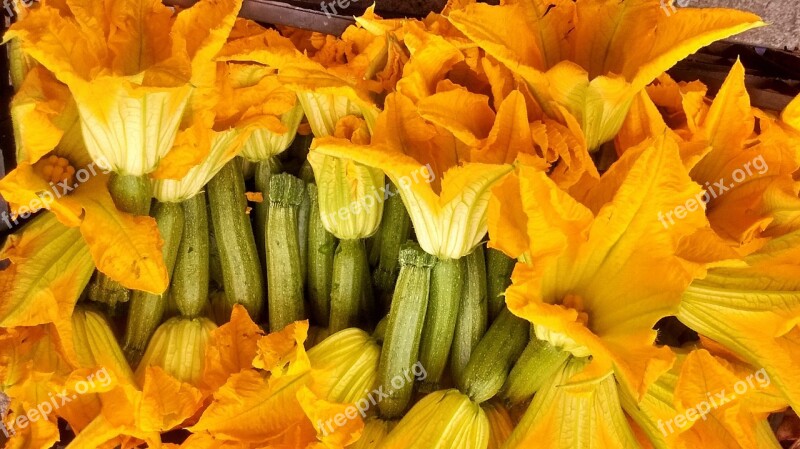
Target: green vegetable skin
404 328
236 244
189 287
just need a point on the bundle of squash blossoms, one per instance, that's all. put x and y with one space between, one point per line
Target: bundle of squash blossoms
500 226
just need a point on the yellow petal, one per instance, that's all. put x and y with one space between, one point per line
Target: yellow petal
754 311
50 266
596 405
231 349
320 411
125 247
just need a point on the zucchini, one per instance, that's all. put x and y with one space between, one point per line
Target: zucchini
404 328
189 289
284 274
238 258
492 359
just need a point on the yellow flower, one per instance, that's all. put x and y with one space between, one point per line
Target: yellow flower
449 212
131 67
500 424
289 396
593 57
587 277
594 404
349 359
754 311
178 346
442 419
351 195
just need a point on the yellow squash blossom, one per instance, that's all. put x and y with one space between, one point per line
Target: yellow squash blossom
131 67
446 201
594 404
57 173
580 54
440 420
284 400
328 87
247 99
754 311
596 277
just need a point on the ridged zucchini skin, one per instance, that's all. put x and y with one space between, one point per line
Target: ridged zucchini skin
189 287
238 257
488 368
403 333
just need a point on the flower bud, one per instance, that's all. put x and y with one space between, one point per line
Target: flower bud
178 346
345 366
445 419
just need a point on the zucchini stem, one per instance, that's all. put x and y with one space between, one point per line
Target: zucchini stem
472 312
403 332
321 249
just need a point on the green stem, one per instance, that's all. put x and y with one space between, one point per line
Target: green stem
491 360
498 269
263 173
397 224
447 287
284 275
236 244
347 290
131 194
321 248
189 288
537 364
404 328
472 313
147 309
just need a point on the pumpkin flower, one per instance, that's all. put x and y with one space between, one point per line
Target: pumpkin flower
330 77
443 419
446 201
707 400
55 172
578 54
594 403
290 396
754 310
131 86
178 346
577 259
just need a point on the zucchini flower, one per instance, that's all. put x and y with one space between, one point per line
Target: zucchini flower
443 419
55 172
131 89
754 310
572 281
178 346
594 403
350 360
707 400
746 161
577 55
